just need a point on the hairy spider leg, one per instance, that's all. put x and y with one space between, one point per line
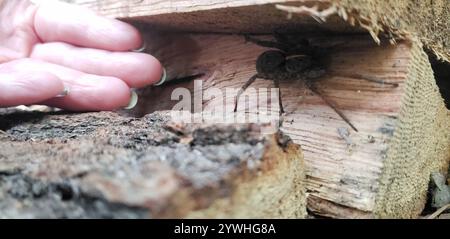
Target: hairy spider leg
375 80
316 91
283 44
265 43
365 77
276 81
297 40
243 88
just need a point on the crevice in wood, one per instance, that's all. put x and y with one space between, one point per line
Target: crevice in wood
441 71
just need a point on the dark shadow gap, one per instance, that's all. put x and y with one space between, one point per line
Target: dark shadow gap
441 71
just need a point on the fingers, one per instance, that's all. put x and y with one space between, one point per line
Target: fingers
93 93
27 87
136 69
79 26
87 92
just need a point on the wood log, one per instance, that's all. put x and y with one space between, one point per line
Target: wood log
427 21
382 170
103 165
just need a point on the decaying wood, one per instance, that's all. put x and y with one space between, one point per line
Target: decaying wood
103 165
344 172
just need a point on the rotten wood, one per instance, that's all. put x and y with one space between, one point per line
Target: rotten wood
103 165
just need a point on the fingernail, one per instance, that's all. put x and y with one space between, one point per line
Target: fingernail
142 48
133 101
65 92
163 77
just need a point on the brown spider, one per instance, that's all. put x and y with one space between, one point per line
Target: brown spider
295 59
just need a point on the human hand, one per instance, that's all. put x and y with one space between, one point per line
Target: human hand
50 49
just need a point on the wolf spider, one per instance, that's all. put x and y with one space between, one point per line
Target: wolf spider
296 59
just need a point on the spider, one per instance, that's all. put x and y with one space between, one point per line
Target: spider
298 59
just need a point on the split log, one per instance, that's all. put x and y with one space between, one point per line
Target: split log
103 165
428 21
382 170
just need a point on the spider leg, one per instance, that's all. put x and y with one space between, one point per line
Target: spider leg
368 78
280 101
377 80
316 91
243 88
265 43
291 39
298 103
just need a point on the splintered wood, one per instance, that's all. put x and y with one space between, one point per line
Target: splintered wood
428 20
221 15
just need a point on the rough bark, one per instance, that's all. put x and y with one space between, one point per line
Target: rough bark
103 165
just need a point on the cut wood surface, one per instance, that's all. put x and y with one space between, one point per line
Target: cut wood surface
343 174
214 16
426 20
103 165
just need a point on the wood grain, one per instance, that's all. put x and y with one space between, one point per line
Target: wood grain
339 172
216 16
402 132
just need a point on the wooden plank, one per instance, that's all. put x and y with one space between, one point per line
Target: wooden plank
427 20
345 172
215 16
118 8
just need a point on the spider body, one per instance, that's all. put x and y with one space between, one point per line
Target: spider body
295 59
273 64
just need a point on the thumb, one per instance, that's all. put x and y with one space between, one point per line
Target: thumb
25 88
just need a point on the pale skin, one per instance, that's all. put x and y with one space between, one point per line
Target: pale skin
48 48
